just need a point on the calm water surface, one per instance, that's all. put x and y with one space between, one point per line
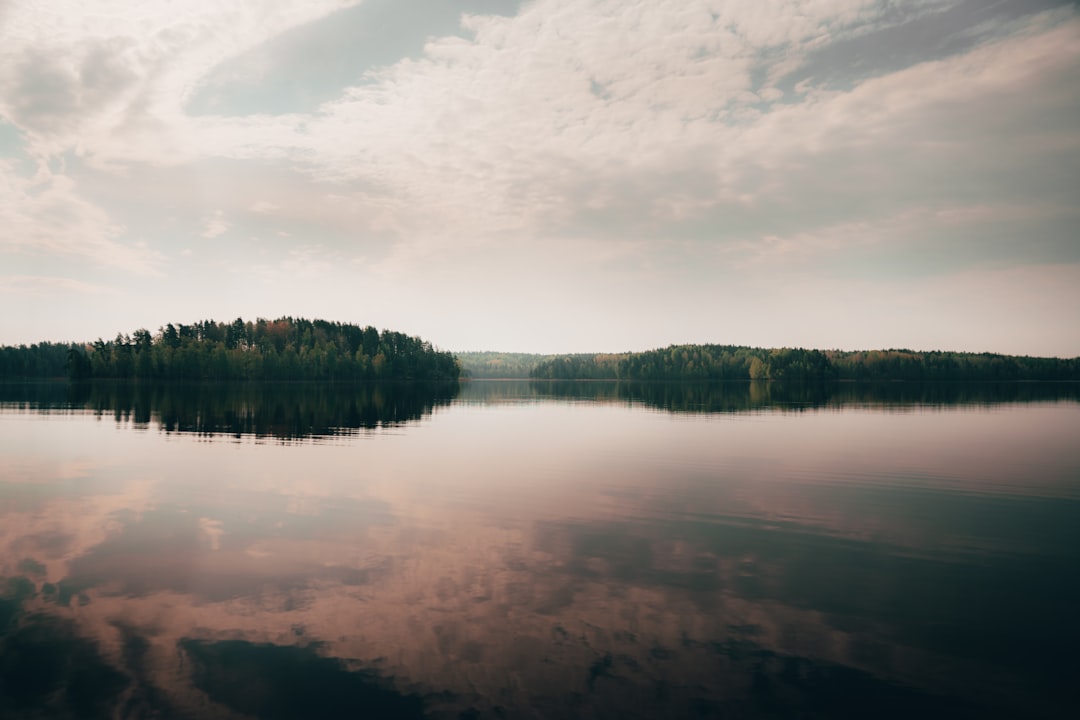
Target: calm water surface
517 550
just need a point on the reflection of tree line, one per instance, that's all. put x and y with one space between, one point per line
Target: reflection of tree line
281 410
719 397
295 410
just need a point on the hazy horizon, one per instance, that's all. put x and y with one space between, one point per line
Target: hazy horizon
554 176
594 351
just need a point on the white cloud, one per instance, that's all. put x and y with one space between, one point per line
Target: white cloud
45 215
263 206
508 137
110 81
215 225
659 140
574 117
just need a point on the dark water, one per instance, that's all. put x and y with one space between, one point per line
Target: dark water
512 550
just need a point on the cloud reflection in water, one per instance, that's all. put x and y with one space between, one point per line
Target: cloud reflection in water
521 555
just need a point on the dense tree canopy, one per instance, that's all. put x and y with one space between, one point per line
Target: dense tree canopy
299 349
282 349
41 360
730 362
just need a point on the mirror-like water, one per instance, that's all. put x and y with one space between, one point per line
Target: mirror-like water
539 550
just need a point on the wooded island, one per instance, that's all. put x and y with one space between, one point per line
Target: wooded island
283 349
733 362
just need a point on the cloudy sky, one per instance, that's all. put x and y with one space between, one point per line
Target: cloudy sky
547 176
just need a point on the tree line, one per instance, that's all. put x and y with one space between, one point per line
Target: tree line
40 360
732 362
283 349
501 365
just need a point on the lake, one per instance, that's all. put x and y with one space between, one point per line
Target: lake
534 550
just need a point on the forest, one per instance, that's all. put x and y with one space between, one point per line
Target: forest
500 365
732 362
283 349
298 349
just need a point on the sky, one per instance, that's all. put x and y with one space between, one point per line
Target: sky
547 176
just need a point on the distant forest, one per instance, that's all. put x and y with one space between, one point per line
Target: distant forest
282 349
731 362
501 365
299 349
